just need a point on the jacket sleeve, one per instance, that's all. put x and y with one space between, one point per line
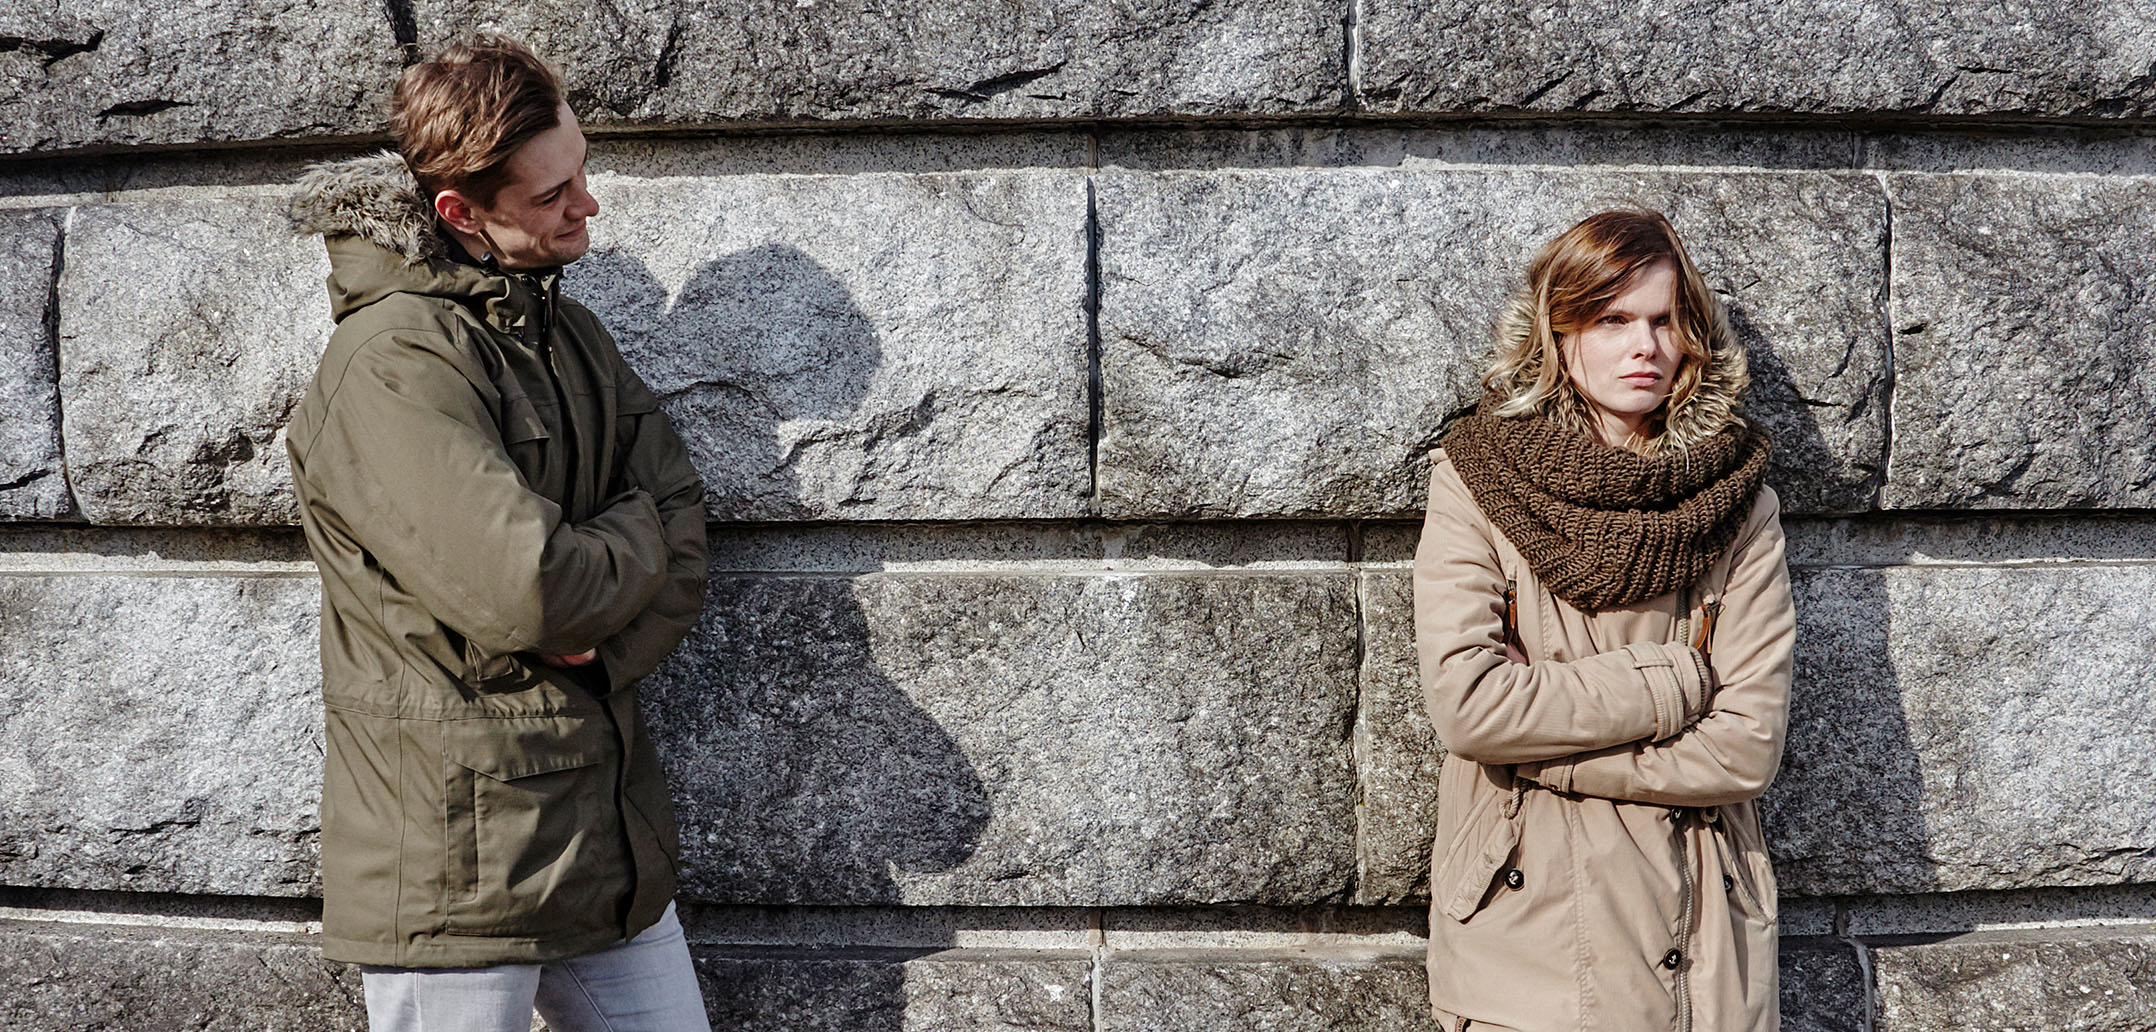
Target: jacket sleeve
657 462
1732 753
1491 710
414 465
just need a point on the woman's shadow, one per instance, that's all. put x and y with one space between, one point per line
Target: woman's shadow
1846 814
802 773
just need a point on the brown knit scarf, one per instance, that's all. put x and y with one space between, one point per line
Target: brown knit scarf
1605 526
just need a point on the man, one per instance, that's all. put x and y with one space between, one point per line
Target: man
509 535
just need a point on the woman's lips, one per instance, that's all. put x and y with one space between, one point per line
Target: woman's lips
1642 379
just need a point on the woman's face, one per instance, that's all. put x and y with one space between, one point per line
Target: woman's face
1625 358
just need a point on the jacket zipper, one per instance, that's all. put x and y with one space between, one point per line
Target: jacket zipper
1684 931
544 345
1684 861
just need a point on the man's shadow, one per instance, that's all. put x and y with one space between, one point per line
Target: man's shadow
802 773
1846 814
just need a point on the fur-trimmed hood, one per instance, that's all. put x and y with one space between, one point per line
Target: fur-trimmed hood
373 198
1719 400
383 239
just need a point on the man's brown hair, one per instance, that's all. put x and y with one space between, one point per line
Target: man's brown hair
459 117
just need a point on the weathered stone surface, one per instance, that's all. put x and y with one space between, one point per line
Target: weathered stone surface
31 483
896 990
1913 57
882 347
2023 367
188 333
150 979
102 73
2101 980
1289 343
1012 740
1332 990
160 733
668 62
1398 751
1822 987
1945 718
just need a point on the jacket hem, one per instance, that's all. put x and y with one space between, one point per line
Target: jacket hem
465 952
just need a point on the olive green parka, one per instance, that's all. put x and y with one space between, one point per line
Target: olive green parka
483 481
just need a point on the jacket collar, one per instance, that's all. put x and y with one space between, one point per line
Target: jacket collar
383 239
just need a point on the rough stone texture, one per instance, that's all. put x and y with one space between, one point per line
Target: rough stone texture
1012 741
1822 987
1289 343
160 734
876 347
1919 58
149 979
1398 751
2103 981
31 483
188 333
691 62
100 73
1946 718
896 990
1335 990
2022 322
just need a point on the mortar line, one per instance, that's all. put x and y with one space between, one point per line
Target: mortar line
1097 920
1351 27
1886 415
1866 1018
52 337
1094 400
404 25
1358 740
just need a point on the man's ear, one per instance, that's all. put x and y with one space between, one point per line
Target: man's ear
456 210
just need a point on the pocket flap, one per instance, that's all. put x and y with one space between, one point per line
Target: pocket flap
507 748
1474 864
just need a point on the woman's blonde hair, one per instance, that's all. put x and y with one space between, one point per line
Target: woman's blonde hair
1571 280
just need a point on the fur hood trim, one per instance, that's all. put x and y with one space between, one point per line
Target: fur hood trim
373 198
1718 402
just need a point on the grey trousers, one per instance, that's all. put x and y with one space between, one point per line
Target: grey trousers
643 985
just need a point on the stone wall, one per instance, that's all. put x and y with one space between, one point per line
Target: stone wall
1062 374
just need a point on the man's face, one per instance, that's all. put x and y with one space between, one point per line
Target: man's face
537 220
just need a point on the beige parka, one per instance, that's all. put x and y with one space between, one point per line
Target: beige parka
1598 862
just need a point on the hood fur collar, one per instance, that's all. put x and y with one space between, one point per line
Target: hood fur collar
373 198
1715 406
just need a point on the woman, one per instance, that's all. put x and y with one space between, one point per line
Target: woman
1603 620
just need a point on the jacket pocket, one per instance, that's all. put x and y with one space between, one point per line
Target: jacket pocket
1465 879
1746 863
531 833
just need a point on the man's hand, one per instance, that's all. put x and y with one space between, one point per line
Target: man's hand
577 660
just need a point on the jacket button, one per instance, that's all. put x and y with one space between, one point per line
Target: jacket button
1513 878
1673 959
1729 884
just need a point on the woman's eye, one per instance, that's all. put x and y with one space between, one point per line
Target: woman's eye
1611 320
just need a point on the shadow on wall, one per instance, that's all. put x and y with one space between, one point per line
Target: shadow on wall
1846 813
803 774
